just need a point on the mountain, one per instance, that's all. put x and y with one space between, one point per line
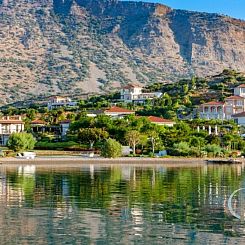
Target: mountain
75 46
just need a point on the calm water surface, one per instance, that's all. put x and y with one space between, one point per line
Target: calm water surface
119 205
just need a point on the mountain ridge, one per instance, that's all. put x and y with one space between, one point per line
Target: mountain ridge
61 46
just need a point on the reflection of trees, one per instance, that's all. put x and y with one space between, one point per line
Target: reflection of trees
178 195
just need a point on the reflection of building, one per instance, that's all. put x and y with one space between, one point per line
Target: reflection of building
133 93
9 125
58 102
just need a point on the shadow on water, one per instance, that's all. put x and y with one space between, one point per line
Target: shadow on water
119 205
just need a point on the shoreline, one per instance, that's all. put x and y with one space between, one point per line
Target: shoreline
101 161
76 161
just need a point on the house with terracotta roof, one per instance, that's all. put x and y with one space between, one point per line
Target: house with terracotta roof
56 102
118 112
232 105
38 126
133 93
212 110
9 125
161 121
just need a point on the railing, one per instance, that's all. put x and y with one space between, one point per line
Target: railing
8 131
212 115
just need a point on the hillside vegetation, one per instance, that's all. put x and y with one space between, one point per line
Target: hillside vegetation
75 46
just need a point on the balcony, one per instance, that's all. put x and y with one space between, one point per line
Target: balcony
208 115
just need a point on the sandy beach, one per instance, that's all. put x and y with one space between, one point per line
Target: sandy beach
71 161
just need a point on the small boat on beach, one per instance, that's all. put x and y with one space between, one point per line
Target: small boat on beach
225 161
26 155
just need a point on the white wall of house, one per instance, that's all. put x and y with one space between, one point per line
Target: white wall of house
240 120
64 128
6 129
239 91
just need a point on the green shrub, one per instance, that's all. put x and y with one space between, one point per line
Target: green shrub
213 150
21 142
111 149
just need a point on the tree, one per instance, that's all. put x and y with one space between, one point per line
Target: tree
213 149
111 149
21 142
154 139
143 141
91 135
133 138
31 114
181 149
197 141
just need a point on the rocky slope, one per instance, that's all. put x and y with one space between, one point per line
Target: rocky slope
72 46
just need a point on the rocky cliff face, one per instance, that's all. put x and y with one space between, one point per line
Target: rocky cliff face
73 46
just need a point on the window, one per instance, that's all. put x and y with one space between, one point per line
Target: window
229 110
239 102
229 102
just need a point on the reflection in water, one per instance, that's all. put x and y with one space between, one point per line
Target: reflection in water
119 205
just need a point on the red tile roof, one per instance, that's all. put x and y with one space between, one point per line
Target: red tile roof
242 114
241 86
234 97
38 121
159 120
213 103
131 85
116 109
11 122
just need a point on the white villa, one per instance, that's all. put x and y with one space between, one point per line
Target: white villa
133 93
59 101
212 110
9 125
233 105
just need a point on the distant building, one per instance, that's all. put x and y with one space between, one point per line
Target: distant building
212 110
38 126
239 118
119 112
233 105
9 125
161 121
114 111
133 93
94 113
64 127
56 102
240 90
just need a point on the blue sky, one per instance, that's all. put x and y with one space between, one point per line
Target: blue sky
234 8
